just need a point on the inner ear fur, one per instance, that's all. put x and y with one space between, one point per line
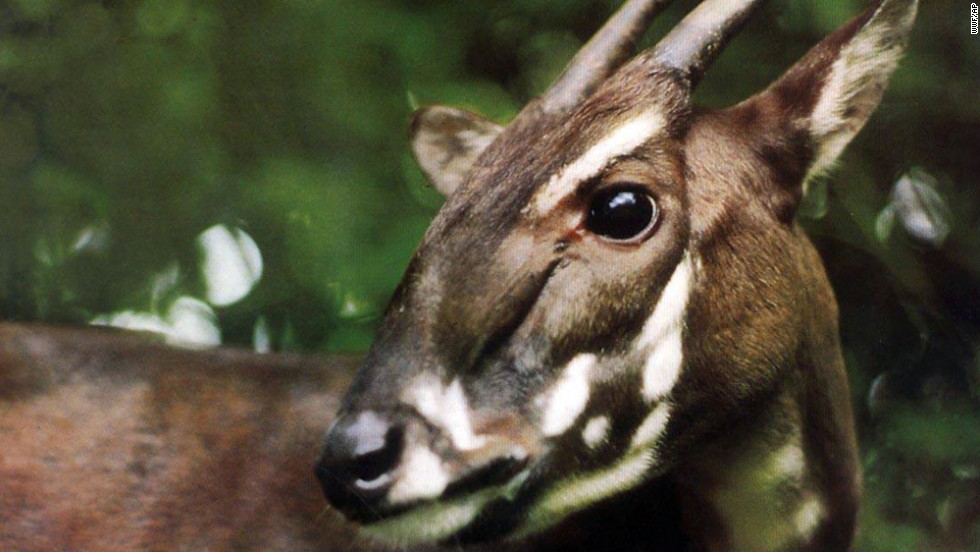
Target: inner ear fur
809 115
447 141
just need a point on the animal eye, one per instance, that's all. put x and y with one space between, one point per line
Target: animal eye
621 214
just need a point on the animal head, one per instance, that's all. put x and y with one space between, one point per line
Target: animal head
613 277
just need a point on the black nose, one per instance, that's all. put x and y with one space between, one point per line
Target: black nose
358 462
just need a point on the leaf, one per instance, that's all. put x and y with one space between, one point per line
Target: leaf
920 209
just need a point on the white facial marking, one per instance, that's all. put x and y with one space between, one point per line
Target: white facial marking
663 366
862 68
622 141
422 477
573 494
661 334
596 431
457 418
568 398
652 427
446 408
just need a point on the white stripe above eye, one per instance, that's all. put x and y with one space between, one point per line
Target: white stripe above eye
624 140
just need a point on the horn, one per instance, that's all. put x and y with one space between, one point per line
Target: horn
698 39
602 55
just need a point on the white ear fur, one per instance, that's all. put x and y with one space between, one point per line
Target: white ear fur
446 143
857 80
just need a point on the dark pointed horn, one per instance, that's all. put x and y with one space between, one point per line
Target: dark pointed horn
698 39
602 55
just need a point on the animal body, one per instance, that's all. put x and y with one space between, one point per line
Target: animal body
615 310
109 442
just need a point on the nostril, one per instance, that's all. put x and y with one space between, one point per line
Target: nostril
371 467
361 455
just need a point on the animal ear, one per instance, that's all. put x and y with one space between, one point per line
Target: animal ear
828 96
446 143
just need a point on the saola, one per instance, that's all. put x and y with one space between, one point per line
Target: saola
615 308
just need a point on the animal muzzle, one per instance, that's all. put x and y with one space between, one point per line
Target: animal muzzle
360 461
378 464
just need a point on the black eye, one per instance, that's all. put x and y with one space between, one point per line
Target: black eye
621 214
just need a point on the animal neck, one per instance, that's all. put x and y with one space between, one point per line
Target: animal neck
766 486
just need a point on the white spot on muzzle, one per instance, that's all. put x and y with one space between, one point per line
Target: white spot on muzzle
423 477
569 397
457 418
595 431
444 407
622 141
662 332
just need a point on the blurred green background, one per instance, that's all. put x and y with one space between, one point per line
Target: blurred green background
237 172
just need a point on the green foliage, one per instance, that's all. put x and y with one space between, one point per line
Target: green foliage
129 128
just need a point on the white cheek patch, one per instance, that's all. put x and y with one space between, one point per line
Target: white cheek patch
855 85
566 401
444 407
622 141
653 426
637 465
596 431
662 333
423 477
661 336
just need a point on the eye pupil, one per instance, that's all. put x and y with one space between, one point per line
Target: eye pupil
620 214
